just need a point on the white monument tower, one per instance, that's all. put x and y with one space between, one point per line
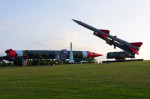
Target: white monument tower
71 60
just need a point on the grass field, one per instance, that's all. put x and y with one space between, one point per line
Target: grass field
127 80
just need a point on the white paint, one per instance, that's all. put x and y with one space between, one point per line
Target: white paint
71 59
19 52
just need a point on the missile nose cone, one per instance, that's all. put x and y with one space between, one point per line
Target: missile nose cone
91 54
96 55
75 20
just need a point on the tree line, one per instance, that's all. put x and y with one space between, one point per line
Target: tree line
41 61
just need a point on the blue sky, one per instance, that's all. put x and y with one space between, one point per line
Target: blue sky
47 24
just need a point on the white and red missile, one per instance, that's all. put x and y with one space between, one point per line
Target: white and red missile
49 53
113 40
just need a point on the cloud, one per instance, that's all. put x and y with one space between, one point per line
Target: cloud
5 26
38 43
7 23
61 40
4 29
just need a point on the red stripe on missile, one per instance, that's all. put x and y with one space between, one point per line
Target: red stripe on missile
105 31
134 50
115 37
11 53
92 55
137 44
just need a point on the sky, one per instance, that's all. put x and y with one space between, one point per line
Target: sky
47 24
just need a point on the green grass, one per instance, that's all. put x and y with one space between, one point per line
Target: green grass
115 80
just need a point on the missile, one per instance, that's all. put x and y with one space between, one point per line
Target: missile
135 49
19 57
48 54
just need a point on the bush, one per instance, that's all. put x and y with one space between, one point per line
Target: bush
10 63
3 64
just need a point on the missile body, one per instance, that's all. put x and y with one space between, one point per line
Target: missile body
19 57
122 42
49 54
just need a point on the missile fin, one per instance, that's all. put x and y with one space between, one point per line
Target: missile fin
134 50
105 31
137 44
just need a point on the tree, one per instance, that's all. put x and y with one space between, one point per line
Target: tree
3 64
91 60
